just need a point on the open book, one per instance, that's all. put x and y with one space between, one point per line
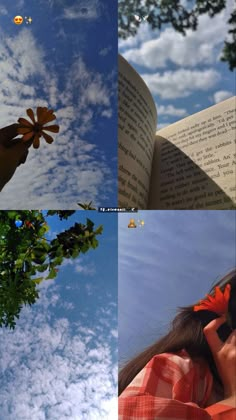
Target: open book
187 165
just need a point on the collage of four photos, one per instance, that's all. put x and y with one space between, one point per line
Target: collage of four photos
118 210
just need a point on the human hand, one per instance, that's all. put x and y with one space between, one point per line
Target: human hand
224 354
13 153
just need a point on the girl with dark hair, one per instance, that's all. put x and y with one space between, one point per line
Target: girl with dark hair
190 373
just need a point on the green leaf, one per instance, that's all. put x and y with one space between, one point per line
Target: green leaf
13 215
38 280
99 230
18 263
58 260
52 274
90 225
94 243
42 268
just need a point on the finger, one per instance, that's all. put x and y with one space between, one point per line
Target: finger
8 133
232 339
211 335
23 158
18 153
10 143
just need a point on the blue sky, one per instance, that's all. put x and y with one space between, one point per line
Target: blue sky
171 261
65 60
183 73
61 359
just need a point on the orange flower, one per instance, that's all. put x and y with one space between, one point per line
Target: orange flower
218 303
35 129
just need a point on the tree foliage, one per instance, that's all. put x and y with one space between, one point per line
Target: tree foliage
161 12
229 50
27 257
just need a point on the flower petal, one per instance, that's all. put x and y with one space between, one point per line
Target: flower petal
30 114
53 128
24 130
48 118
40 113
227 292
25 122
36 142
48 138
28 136
217 303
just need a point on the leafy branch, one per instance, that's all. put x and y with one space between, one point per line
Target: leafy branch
158 13
26 252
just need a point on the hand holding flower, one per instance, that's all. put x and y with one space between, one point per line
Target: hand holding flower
12 153
32 131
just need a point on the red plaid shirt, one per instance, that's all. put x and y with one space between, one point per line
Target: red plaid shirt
171 386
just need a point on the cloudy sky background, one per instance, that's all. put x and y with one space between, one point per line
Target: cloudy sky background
65 60
171 261
183 73
60 362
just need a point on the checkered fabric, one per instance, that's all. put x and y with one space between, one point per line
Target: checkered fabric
170 386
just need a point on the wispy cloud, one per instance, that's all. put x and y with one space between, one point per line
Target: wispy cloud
181 83
221 95
170 262
89 9
171 110
197 47
56 366
105 51
81 265
3 10
176 67
74 166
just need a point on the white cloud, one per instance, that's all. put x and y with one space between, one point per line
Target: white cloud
114 333
171 110
144 34
67 305
3 10
162 125
107 113
180 83
60 369
104 51
73 168
88 10
221 95
197 47
88 270
81 265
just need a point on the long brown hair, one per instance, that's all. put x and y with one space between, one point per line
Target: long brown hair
186 332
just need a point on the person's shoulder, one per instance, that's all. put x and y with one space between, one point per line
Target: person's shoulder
180 361
180 358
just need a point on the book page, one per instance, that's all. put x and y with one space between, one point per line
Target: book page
137 120
194 161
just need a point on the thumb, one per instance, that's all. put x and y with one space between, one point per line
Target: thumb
211 335
8 140
7 134
18 153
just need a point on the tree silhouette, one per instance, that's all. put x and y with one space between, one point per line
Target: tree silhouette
25 252
161 12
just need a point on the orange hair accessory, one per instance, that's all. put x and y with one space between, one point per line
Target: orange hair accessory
218 303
